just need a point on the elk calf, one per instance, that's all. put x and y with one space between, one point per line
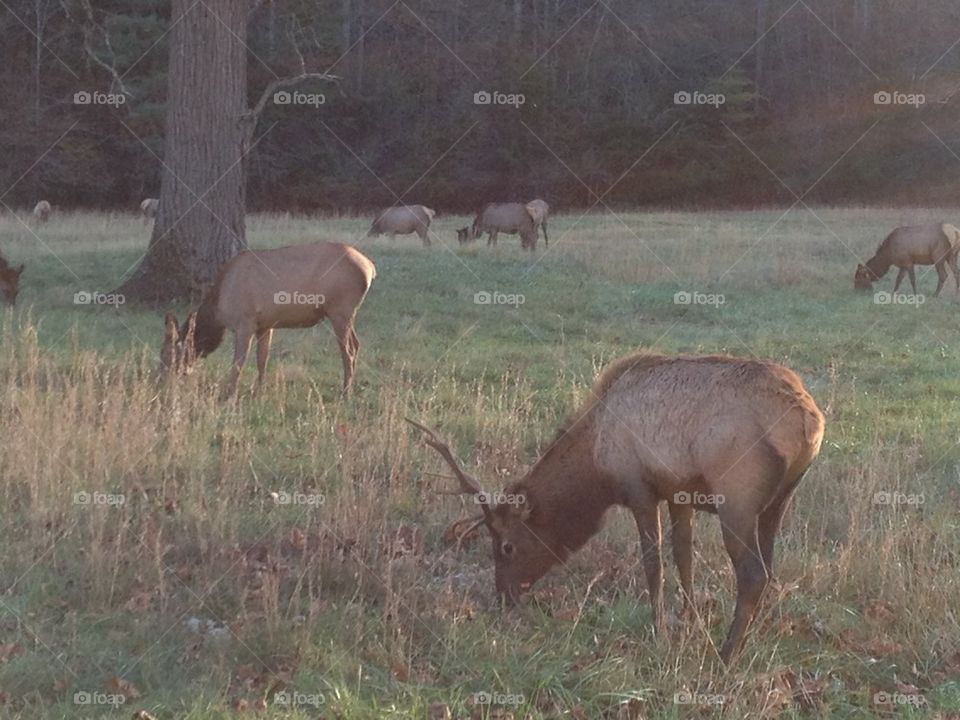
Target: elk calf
726 435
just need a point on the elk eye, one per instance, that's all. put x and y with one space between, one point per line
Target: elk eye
507 548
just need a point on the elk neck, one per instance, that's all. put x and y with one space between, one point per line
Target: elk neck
569 493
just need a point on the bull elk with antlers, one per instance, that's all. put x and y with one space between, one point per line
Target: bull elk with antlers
726 435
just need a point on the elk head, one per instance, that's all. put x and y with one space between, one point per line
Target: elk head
525 545
179 351
9 282
864 278
465 235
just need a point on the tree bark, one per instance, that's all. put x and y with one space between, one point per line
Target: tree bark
200 222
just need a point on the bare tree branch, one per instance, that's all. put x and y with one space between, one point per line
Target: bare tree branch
88 29
252 117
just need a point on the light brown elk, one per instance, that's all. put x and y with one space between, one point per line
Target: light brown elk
727 435
509 218
404 220
9 282
934 244
148 209
259 291
42 211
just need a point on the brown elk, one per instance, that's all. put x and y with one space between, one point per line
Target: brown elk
934 244
509 218
9 281
404 220
726 435
259 291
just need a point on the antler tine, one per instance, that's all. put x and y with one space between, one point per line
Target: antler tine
468 484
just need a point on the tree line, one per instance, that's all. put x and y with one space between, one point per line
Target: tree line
613 102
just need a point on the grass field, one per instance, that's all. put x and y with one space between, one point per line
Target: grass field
147 558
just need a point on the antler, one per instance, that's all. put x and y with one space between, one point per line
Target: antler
468 484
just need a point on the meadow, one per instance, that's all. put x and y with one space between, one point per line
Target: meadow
290 554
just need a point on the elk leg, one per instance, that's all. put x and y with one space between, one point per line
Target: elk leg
647 517
740 539
241 348
264 338
681 538
424 236
355 343
492 237
769 522
546 240
913 279
941 277
343 329
900 276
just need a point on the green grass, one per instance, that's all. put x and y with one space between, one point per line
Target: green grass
360 599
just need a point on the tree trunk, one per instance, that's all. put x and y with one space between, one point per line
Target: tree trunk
200 223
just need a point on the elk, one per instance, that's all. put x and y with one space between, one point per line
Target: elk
509 218
933 244
9 281
42 211
539 210
403 221
148 209
725 435
259 291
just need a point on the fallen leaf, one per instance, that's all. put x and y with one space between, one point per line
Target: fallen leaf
9 651
119 686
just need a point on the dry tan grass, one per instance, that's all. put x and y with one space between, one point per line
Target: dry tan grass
867 596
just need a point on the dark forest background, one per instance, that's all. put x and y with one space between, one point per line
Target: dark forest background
599 80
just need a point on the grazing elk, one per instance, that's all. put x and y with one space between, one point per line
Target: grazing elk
934 244
42 211
404 220
259 291
9 281
539 210
148 209
509 218
726 435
